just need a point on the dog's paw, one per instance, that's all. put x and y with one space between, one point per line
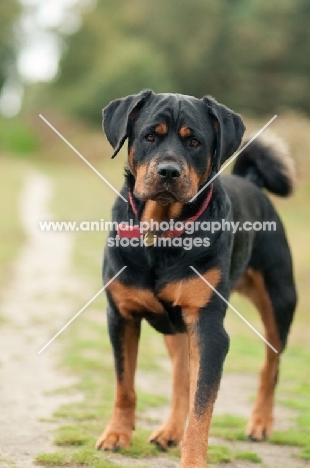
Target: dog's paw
259 427
169 435
114 439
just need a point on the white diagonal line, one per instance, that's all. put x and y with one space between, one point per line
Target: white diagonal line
235 310
82 157
234 157
80 311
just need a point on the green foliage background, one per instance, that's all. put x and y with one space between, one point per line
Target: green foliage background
253 55
9 11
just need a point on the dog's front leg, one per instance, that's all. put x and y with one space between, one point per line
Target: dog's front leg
208 346
124 336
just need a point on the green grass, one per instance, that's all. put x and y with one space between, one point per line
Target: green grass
219 454
292 437
76 459
140 447
91 459
305 453
71 436
249 456
228 427
17 137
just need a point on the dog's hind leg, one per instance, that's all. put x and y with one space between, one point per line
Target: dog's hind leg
171 432
275 298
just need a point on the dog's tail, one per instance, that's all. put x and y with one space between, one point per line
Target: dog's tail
266 162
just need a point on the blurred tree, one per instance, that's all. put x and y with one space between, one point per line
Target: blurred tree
250 55
9 11
297 60
104 60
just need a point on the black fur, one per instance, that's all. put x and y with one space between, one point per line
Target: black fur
230 129
262 164
117 118
218 131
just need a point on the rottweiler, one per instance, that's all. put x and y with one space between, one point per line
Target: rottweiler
176 146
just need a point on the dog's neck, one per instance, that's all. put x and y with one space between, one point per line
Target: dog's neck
153 210
157 212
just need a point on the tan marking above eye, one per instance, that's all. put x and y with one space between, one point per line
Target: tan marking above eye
161 129
185 132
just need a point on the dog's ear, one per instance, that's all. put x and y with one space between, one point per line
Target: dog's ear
119 115
229 130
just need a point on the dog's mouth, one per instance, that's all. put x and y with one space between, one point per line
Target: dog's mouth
165 198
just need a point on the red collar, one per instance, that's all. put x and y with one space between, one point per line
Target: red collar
135 232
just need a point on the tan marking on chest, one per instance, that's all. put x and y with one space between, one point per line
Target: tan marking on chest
130 300
193 293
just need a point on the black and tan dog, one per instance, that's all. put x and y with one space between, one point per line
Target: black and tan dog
176 145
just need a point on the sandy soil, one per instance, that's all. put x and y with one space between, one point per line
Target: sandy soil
33 308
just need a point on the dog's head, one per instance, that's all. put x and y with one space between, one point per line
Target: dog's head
175 142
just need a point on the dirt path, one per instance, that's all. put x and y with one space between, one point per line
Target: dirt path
33 308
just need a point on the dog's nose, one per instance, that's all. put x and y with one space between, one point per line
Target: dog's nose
168 171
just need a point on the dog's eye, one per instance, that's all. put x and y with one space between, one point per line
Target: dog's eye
150 137
194 143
